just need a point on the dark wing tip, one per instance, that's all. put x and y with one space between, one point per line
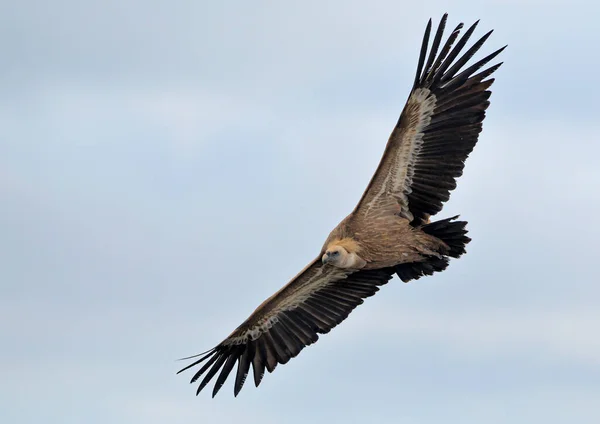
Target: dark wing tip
423 53
207 354
441 69
232 357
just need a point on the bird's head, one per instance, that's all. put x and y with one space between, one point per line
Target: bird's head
335 255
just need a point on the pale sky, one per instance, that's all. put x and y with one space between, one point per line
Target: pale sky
166 166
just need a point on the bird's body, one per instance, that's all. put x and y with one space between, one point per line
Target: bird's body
389 232
382 242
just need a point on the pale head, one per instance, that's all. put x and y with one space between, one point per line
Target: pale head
335 255
341 255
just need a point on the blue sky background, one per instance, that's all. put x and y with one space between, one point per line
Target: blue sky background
165 166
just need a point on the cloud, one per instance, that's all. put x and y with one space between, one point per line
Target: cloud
165 167
487 332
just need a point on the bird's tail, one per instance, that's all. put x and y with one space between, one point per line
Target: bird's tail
453 233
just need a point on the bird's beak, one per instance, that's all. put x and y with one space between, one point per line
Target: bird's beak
325 258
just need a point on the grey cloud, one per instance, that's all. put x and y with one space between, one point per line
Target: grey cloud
146 148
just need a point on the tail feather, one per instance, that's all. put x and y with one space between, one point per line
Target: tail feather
451 232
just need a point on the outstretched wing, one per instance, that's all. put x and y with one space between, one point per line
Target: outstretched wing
437 130
313 302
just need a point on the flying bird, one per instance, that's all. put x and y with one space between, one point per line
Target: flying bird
389 232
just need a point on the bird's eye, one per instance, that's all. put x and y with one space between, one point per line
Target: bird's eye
336 253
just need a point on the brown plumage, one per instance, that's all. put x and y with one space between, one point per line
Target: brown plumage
389 232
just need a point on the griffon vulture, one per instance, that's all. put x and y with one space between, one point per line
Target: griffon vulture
389 231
